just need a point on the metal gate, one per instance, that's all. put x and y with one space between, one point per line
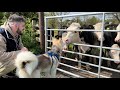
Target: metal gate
101 72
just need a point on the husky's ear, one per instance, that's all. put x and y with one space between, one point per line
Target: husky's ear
57 37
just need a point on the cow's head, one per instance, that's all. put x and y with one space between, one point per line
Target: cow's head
72 36
115 54
98 26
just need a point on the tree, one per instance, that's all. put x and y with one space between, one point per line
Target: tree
77 19
92 20
58 21
52 23
116 15
114 18
1 17
66 22
28 36
42 31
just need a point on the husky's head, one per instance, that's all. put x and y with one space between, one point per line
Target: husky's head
26 62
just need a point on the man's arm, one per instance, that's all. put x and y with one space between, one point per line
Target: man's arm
6 56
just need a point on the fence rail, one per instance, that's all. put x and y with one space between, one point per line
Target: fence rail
101 47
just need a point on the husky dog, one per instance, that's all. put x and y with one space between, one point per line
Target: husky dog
44 65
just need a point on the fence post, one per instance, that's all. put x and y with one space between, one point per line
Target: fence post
101 44
42 31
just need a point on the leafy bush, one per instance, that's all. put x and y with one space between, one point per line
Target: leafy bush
28 38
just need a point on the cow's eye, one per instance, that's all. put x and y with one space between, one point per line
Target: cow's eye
82 39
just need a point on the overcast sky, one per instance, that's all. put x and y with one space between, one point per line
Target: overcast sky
78 12
82 17
98 16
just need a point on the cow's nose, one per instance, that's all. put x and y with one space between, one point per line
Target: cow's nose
100 39
117 62
112 52
66 40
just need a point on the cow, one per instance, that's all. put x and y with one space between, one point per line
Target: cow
117 39
115 54
90 37
108 38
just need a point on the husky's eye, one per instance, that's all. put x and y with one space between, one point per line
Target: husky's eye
82 39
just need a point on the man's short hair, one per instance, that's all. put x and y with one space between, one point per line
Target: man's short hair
16 18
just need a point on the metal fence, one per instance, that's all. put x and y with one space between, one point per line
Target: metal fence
96 74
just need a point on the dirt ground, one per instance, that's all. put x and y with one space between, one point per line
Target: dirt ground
104 72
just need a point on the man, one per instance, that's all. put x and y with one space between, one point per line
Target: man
10 43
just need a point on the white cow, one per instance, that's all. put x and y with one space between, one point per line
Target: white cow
72 36
117 39
115 54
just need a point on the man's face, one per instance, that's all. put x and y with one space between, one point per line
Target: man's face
20 27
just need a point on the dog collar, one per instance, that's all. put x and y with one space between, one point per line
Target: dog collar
50 53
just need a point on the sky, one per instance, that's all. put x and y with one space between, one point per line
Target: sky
99 16
77 12
82 17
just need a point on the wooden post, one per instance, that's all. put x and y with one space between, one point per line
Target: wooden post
42 31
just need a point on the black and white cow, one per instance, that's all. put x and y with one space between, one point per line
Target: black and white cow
90 37
108 38
117 39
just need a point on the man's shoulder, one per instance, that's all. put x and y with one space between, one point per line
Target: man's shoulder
2 30
2 33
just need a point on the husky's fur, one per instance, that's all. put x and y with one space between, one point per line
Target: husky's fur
32 66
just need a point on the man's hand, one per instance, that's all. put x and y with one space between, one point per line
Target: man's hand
24 49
